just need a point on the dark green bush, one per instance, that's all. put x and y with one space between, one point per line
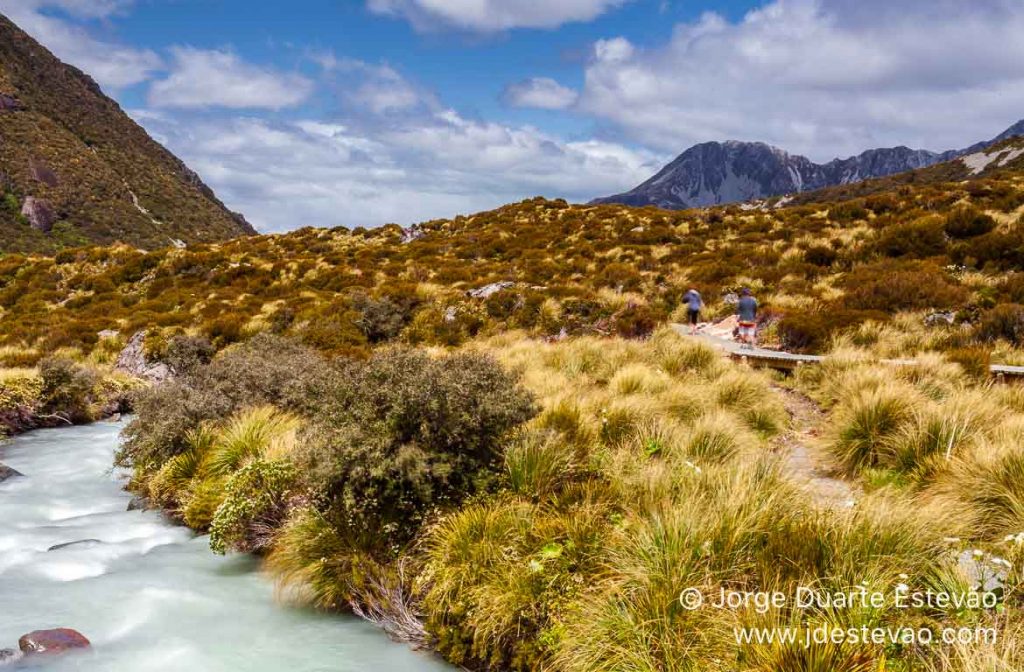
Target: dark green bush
820 255
403 434
254 506
379 319
968 222
919 239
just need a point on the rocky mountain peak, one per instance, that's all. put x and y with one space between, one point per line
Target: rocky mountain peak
716 173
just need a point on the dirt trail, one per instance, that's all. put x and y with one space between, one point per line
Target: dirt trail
803 459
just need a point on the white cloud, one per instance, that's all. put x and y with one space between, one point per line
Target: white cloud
540 92
112 65
89 9
378 88
821 77
492 15
214 78
318 173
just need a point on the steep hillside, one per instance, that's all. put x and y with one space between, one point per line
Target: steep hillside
937 240
716 173
74 169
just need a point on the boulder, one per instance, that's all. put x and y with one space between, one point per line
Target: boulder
6 472
132 360
39 213
139 503
58 640
942 319
9 103
488 290
42 173
69 544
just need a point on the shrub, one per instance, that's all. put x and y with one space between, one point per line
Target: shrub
820 255
887 288
636 321
266 370
1005 321
183 354
253 507
921 238
406 433
968 222
379 319
812 331
67 389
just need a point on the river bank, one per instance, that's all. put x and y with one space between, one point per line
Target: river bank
148 593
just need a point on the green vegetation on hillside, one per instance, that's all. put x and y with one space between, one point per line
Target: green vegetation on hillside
70 147
817 268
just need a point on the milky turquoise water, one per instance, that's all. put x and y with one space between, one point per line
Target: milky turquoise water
150 595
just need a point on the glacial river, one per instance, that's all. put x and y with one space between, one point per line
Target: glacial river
149 594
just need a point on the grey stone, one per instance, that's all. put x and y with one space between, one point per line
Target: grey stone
139 503
69 544
6 472
10 656
940 319
488 290
132 360
39 213
9 103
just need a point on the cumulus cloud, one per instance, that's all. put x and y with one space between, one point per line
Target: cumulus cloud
378 88
112 65
821 77
215 78
284 175
540 92
492 15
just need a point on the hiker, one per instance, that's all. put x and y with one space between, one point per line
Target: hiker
694 303
746 311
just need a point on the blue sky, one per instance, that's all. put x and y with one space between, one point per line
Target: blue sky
361 112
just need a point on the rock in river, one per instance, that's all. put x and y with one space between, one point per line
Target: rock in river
80 542
8 656
58 640
6 472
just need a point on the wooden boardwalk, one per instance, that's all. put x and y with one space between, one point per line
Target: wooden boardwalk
787 361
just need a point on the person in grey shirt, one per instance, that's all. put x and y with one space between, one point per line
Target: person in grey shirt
694 303
746 311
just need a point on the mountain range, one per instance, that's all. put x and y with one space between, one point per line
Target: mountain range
75 169
716 173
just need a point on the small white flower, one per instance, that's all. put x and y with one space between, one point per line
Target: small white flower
904 577
978 553
903 588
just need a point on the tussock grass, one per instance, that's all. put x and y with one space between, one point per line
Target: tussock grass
864 423
987 487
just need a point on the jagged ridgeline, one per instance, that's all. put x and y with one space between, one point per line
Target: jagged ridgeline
76 170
